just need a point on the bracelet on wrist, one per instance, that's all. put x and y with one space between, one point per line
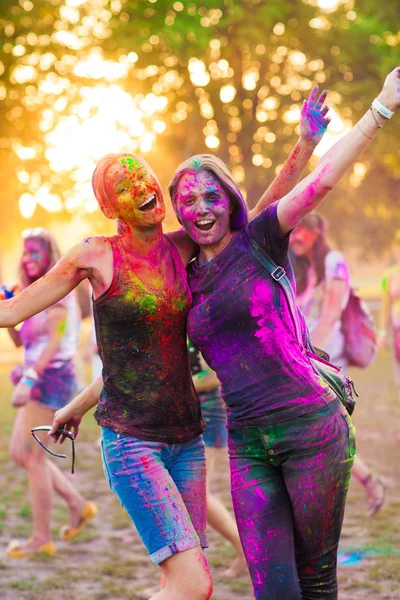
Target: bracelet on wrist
27 381
371 108
363 132
385 112
31 373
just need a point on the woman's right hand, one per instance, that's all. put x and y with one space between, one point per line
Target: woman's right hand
390 94
65 419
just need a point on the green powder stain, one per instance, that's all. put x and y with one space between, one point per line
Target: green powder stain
179 304
147 304
62 327
129 163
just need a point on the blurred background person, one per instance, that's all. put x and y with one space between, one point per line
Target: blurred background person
215 437
323 291
45 383
389 317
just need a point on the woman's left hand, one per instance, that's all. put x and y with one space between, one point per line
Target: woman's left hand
313 119
21 395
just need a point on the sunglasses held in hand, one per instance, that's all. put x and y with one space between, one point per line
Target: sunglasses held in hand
65 432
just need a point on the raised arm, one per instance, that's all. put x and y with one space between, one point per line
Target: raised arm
70 270
306 196
313 124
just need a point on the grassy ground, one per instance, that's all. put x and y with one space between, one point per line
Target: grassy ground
107 560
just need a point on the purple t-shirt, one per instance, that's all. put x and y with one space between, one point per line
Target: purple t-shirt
241 323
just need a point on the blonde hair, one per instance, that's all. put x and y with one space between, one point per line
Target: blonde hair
99 182
217 168
51 247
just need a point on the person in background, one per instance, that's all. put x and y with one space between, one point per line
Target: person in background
215 438
45 384
323 289
389 317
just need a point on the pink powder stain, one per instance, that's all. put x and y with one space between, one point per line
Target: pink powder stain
145 461
260 302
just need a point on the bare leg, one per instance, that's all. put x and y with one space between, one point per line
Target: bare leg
221 519
28 454
44 476
373 486
187 577
64 488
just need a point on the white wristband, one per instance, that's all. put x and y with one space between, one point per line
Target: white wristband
382 110
30 373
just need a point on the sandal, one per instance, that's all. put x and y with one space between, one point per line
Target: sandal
375 489
68 533
14 550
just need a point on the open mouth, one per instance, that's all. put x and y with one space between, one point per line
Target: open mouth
205 224
148 204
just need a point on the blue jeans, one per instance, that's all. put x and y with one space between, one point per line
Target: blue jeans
289 486
214 414
162 488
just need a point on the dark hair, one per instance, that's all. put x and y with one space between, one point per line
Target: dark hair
312 222
217 168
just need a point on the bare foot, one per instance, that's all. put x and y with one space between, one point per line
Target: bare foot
237 568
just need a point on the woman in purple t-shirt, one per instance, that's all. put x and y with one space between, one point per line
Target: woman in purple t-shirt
291 441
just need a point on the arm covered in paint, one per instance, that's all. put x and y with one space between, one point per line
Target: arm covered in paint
69 271
307 195
313 124
70 416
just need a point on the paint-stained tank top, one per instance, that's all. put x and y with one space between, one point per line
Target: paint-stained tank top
141 335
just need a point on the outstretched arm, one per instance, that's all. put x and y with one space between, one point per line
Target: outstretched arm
307 195
313 124
70 270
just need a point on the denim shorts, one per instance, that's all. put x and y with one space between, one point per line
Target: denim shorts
55 387
214 414
162 488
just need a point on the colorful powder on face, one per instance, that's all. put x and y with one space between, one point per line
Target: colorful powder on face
129 163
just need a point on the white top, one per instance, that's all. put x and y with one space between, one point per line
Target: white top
35 335
312 299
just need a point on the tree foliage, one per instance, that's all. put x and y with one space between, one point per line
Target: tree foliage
233 74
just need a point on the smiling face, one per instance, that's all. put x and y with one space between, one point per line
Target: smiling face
203 207
35 258
134 193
